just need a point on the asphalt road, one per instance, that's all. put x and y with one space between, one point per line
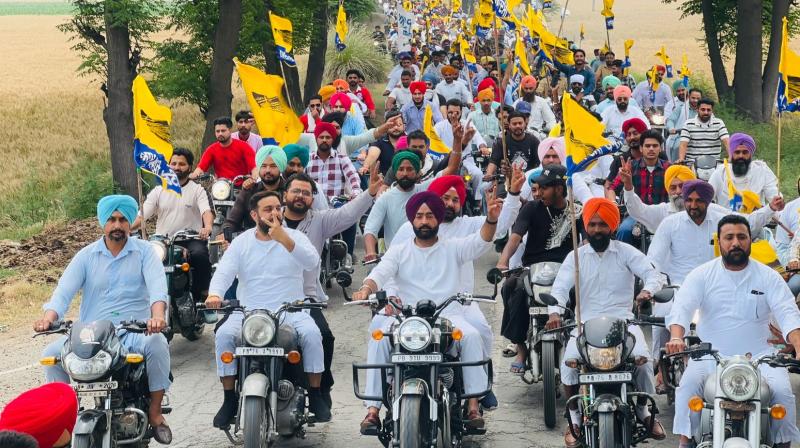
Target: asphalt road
197 394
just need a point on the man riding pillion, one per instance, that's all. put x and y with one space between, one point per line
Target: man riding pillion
737 297
607 270
268 261
427 268
119 278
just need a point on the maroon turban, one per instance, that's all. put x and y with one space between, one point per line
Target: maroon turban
325 127
443 184
701 187
43 413
635 123
430 198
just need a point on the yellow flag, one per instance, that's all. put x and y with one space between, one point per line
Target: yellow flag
282 34
455 5
607 5
277 122
651 76
789 74
583 135
152 149
551 46
521 56
556 131
628 46
582 33
341 28
437 148
484 14
662 54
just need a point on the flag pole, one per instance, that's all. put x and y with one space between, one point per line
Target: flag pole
563 15
286 86
778 164
141 202
500 87
577 278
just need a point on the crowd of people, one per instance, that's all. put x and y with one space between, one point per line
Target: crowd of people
414 199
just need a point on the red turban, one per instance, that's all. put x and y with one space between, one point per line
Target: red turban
442 185
325 127
43 413
343 98
418 85
606 209
661 68
430 198
635 123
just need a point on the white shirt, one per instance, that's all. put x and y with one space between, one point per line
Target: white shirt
445 132
456 89
607 280
652 215
735 307
176 213
397 71
269 275
791 217
254 140
401 95
613 118
428 273
759 179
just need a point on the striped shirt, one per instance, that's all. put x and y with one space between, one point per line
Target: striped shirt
703 138
333 174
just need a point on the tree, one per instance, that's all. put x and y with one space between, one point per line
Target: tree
316 55
754 84
110 37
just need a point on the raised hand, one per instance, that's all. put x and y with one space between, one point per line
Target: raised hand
517 180
626 175
375 179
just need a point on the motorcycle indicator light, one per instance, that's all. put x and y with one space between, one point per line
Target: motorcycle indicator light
134 358
571 363
777 412
226 357
457 334
377 335
185 267
696 404
293 357
48 361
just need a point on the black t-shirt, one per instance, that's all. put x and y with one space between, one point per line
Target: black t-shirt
549 233
387 153
523 152
291 223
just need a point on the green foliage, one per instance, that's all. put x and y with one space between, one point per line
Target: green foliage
360 54
357 10
35 8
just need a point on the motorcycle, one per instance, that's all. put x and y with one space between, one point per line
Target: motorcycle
734 409
181 315
641 237
102 369
271 383
657 118
608 396
334 256
223 194
543 346
704 166
423 388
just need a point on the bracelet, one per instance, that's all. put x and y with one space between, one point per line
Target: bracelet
364 285
513 194
676 339
491 223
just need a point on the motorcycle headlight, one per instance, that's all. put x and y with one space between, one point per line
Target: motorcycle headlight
739 382
414 334
258 330
604 358
160 249
221 190
87 369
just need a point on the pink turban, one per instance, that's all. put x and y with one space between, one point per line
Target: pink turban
343 98
557 145
622 91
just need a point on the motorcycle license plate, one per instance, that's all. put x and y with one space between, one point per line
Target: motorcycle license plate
95 389
537 310
417 359
615 377
224 203
169 269
259 351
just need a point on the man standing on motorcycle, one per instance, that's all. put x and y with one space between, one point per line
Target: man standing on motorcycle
423 268
286 253
119 278
737 298
607 270
747 174
190 210
228 156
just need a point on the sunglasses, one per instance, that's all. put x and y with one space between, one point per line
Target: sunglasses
315 106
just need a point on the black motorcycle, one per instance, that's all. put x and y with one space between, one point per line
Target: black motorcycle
101 368
334 256
608 396
271 383
423 391
182 315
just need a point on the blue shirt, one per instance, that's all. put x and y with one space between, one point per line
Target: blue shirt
413 116
114 288
588 75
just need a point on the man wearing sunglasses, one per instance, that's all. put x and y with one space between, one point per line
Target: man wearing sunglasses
313 114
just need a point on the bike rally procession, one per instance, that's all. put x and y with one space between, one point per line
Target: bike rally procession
637 251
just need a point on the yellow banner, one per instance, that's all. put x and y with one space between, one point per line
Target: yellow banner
152 149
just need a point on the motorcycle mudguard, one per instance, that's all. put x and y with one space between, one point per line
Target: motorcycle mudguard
605 404
88 420
255 385
414 386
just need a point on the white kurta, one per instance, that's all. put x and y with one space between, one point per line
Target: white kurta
759 179
613 118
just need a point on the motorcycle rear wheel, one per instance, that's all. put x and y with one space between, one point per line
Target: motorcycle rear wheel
410 416
549 382
256 423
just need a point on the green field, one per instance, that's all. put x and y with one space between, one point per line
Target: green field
34 8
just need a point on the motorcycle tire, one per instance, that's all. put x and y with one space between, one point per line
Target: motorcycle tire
549 383
410 416
214 251
193 333
446 429
256 423
606 432
83 441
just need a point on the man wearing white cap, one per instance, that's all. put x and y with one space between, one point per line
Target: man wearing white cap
576 83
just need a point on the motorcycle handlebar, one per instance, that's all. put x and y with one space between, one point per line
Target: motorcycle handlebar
58 326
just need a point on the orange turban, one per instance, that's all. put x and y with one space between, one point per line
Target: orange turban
486 94
326 92
449 70
607 211
529 81
341 84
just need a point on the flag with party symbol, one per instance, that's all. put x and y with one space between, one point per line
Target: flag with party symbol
341 28
152 149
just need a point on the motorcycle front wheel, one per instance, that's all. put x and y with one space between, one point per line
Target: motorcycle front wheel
549 383
605 430
82 441
256 424
411 416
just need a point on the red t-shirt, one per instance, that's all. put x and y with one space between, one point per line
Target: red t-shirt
236 159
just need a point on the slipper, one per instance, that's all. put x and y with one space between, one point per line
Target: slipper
518 368
510 351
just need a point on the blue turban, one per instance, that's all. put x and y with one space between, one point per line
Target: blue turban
117 203
534 174
277 154
293 150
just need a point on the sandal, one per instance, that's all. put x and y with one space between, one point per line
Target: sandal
510 351
517 368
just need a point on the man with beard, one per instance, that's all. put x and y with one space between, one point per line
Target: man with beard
484 118
610 83
423 268
345 144
229 157
384 149
606 69
120 278
414 112
613 117
632 129
678 100
647 97
741 296
244 124
519 145
702 135
576 83
434 68
444 129
268 262
608 269
296 161
189 211
271 161
748 174
454 88
400 95
547 226
542 119
580 68
362 93
678 118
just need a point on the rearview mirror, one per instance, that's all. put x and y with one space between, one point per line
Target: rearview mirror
548 299
665 295
494 276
